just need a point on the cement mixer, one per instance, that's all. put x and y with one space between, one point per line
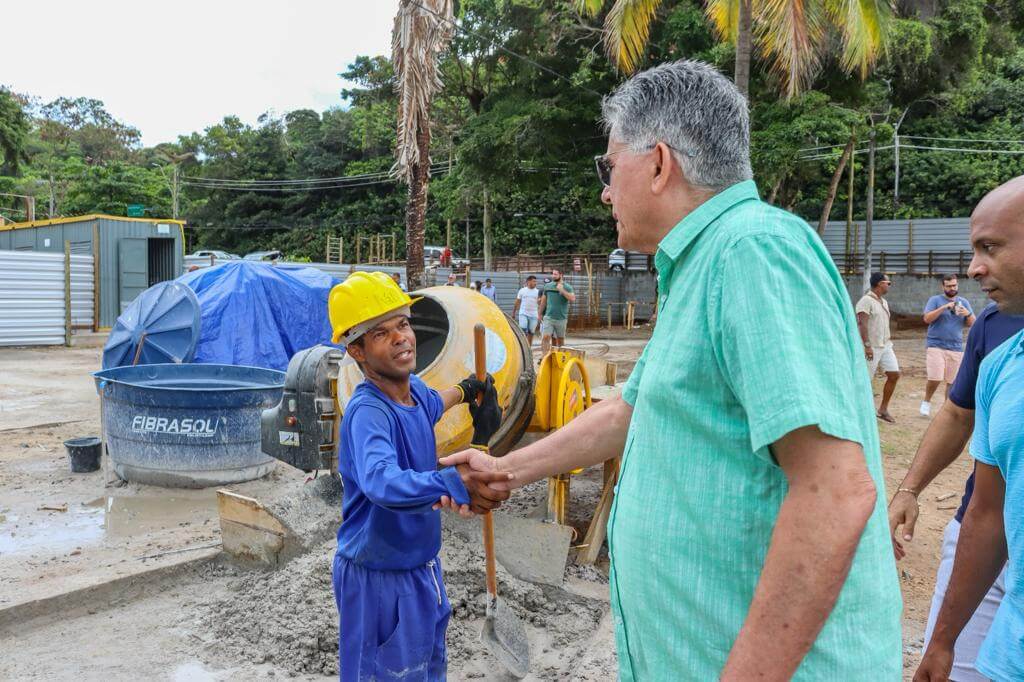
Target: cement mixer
302 430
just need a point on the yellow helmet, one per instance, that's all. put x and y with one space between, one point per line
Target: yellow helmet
365 297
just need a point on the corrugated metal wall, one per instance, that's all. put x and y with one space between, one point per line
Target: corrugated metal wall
929 234
32 296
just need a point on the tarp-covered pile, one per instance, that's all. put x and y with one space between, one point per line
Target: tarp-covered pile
259 315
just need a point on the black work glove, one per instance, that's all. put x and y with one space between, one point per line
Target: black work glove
472 387
486 415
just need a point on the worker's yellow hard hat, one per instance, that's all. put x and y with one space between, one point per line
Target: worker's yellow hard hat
362 301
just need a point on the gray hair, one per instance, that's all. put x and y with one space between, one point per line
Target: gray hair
693 109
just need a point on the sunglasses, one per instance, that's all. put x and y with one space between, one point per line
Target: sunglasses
604 166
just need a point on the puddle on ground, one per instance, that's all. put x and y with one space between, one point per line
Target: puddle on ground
104 517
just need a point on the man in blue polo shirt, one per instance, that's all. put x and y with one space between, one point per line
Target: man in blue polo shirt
993 527
941 445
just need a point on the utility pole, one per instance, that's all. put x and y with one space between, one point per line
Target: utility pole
467 235
175 188
487 229
870 210
896 170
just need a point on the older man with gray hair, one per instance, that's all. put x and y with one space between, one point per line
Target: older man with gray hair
748 537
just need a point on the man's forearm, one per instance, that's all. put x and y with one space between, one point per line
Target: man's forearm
933 315
943 442
812 547
980 555
596 435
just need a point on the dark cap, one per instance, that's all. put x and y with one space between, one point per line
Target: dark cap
877 277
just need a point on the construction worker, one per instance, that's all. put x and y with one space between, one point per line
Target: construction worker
387 576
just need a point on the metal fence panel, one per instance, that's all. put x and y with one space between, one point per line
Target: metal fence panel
82 291
32 296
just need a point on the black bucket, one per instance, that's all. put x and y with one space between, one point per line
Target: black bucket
84 454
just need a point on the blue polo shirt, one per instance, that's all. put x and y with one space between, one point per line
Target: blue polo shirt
998 441
387 459
947 330
990 330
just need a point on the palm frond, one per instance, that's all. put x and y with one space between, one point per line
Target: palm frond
589 8
724 16
422 30
791 33
863 25
627 27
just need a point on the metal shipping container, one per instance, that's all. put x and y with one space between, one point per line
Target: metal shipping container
32 297
133 253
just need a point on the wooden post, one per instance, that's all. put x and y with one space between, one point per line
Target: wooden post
931 262
393 242
67 293
327 250
611 373
850 247
609 316
882 261
960 265
592 541
359 247
341 250
95 277
869 210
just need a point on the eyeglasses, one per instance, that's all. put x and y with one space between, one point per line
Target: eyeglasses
604 168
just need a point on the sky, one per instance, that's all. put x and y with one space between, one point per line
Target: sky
170 68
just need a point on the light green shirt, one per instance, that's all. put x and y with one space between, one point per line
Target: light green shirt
755 337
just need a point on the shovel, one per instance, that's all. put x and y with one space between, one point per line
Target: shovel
503 633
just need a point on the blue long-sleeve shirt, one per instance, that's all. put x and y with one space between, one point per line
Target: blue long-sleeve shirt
387 459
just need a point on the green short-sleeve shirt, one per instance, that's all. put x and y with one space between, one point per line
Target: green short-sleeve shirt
755 337
556 306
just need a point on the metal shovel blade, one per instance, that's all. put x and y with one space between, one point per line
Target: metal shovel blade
505 637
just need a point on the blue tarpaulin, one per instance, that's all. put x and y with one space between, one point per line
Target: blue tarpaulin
259 315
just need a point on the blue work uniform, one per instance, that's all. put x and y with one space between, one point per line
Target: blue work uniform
392 605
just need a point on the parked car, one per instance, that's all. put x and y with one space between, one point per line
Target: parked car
620 259
219 255
263 255
432 256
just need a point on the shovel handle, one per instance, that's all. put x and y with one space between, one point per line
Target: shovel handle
480 360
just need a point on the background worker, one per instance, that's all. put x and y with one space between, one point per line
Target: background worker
993 527
525 309
554 311
387 576
489 291
397 276
873 324
946 315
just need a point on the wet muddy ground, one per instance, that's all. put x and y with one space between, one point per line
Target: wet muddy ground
61 532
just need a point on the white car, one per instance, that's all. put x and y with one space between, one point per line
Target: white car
620 259
219 255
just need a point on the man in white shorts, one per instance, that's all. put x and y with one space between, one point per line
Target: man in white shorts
873 322
525 310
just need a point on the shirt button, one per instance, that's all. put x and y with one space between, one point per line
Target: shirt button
615 490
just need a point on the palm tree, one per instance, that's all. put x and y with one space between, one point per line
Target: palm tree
422 30
791 34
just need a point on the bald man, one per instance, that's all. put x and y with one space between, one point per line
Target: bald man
993 527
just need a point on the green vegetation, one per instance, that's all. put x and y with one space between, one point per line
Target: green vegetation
518 119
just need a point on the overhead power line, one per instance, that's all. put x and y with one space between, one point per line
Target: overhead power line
966 150
304 188
962 139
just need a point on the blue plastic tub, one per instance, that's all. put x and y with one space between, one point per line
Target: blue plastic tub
187 426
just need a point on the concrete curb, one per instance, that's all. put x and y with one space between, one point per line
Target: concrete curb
98 596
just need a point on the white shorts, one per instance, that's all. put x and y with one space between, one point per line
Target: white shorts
969 642
884 357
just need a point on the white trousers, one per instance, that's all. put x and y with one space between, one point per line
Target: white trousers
969 642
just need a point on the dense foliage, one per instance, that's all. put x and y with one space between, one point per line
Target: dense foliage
519 117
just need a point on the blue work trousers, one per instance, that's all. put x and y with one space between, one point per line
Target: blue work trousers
391 623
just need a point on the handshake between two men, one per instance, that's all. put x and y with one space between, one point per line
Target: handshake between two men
597 435
487 486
